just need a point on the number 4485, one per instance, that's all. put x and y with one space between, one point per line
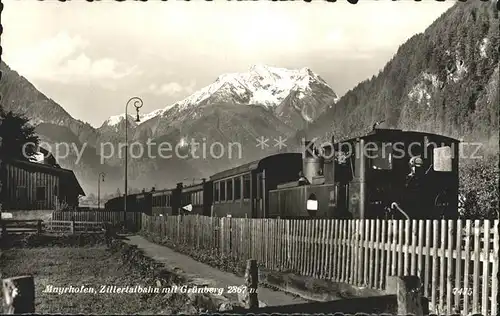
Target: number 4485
462 291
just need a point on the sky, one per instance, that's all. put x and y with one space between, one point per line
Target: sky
92 57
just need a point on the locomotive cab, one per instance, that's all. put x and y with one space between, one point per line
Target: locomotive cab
403 174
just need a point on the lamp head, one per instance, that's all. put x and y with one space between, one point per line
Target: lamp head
137 118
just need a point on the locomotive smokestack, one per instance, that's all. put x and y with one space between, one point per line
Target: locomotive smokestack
312 164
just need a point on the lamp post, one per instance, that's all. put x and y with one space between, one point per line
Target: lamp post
101 176
137 104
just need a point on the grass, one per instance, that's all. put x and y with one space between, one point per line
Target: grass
91 266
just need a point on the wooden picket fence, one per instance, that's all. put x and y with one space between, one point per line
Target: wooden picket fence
133 218
457 261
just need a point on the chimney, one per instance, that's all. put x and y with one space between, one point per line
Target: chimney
179 185
203 180
153 189
312 164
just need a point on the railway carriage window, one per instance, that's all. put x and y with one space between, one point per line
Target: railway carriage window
246 186
237 188
216 191
230 189
379 155
442 159
222 190
201 197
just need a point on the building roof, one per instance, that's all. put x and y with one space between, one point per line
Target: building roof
68 174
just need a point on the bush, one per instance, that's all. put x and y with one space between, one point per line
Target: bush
479 187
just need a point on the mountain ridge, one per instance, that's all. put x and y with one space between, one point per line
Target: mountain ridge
261 86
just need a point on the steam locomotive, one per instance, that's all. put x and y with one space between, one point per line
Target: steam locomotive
387 173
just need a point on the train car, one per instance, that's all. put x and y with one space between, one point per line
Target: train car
161 202
167 202
197 198
243 191
117 204
144 202
114 204
387 173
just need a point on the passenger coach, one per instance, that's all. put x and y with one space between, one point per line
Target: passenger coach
243 191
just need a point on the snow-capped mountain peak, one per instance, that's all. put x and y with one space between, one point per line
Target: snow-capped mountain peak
261 85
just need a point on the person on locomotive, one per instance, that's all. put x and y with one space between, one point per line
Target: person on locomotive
415 177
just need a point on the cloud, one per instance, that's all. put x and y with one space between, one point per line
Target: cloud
171 88
62 59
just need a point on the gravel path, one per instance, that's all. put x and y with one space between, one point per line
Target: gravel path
208 274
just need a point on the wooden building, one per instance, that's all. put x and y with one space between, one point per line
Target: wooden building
37 186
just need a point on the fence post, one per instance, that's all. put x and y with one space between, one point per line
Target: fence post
19 295
4 228
409 296
250 299
72 227
39 227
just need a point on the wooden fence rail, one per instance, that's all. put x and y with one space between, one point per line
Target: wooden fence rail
133 218
18 226
72 227
457 261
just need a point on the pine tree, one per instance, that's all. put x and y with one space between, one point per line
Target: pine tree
16 133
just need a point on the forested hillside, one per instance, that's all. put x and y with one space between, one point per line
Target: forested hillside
445 81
